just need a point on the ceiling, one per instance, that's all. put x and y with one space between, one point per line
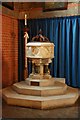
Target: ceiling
27 6
22 6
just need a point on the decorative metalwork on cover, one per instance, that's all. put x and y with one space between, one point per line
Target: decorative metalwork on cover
40 38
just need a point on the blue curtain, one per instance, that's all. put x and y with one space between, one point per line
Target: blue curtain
65 34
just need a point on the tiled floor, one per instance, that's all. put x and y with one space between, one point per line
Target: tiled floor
21 112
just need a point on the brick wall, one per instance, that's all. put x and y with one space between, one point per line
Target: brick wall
9 50
0 51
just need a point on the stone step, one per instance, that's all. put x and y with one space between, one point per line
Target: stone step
13 98
62 80
43 82
40 82
23 88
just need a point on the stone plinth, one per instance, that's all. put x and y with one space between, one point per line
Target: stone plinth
13 97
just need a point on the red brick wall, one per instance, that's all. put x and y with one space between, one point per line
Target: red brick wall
0 51
9 50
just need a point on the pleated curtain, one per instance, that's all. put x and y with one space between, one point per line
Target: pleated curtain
64 32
